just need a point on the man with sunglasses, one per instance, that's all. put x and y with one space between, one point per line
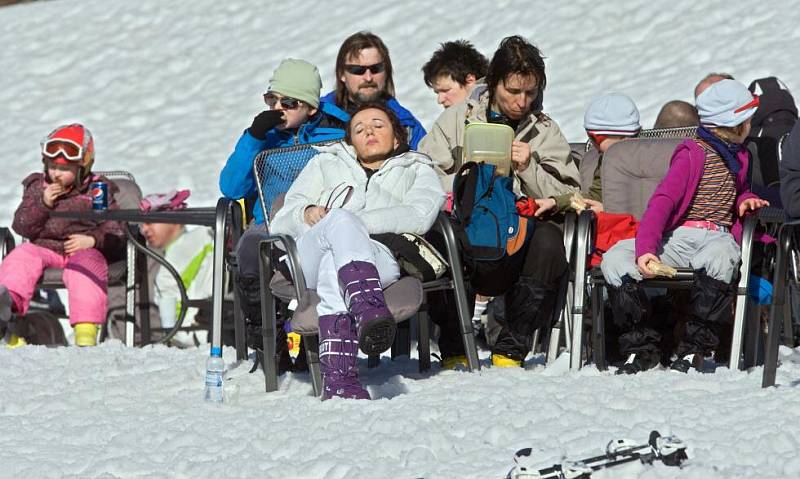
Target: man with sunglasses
364 75
294 116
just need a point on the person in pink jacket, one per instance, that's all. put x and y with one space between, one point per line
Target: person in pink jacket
82 248
692 220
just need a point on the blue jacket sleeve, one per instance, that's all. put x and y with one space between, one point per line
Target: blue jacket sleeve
417 133
236 180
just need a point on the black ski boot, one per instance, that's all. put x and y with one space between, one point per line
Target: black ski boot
529 305
709 310
638 340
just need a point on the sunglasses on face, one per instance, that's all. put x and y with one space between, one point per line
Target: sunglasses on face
66 148
362 69
286 102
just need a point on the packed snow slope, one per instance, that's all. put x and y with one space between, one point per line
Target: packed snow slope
167 87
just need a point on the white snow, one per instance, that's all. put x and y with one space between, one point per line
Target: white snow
167 87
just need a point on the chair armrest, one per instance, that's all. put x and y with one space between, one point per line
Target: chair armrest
7 242
290 247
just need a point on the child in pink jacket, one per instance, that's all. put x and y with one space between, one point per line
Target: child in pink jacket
80 247
693 220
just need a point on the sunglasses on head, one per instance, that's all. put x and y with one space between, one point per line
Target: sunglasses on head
362 69
286 102
62 147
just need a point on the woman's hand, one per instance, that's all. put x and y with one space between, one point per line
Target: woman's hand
752 204
313 214
543 206
594 205
76 243
51 194
520 155
641 264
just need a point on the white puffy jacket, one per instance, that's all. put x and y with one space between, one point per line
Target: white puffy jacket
403 196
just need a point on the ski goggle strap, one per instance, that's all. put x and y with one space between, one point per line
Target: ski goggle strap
59 146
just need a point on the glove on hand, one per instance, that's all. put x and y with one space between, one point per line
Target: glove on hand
265 121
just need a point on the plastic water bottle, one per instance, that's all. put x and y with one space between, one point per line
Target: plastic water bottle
215 366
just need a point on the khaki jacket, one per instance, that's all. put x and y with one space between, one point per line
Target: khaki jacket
552 171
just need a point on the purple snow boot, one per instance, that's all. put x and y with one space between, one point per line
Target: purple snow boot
363 295
338 357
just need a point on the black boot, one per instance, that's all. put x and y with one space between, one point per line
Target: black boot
250 295
528 306
710 309
638 339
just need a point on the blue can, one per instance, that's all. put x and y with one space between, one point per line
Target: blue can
99 195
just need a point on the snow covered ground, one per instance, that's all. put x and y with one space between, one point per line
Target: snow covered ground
167 88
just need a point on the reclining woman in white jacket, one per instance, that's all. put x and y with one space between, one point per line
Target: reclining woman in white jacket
370 184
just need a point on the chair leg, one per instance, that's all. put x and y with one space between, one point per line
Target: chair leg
268 321
424 341
753 337
373 360
554 342
238 319
402 340
776 309
598 328
312 354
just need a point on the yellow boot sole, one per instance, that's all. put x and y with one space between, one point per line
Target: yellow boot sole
501 361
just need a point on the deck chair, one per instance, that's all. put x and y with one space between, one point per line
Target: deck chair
404 298
631 171
589 159
128 196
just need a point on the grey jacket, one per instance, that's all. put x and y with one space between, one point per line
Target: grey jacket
552 171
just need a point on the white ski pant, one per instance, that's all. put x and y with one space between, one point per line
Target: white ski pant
339 238
684 247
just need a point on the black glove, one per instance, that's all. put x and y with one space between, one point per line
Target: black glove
265 121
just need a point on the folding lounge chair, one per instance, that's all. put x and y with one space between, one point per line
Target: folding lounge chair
631 171
404 297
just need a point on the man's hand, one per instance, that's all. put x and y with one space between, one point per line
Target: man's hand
520 155
76 243
641 264
313 214
594 205
51 193
752 204
543 206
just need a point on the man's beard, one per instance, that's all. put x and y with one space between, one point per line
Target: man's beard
361 96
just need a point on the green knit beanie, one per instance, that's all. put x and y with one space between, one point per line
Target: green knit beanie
297 79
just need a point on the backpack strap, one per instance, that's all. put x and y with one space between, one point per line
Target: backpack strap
464 186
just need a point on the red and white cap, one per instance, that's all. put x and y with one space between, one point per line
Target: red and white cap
726 103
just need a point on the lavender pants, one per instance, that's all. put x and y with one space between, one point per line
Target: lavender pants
85 276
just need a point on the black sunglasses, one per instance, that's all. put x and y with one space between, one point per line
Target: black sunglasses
286 102
361 69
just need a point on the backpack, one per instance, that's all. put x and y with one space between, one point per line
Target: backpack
774 118
485 217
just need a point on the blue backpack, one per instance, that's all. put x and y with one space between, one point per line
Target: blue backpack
485 216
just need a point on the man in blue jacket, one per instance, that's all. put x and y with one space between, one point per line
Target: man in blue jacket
294 116
364 74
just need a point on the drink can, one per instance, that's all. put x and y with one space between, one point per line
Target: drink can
99 195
